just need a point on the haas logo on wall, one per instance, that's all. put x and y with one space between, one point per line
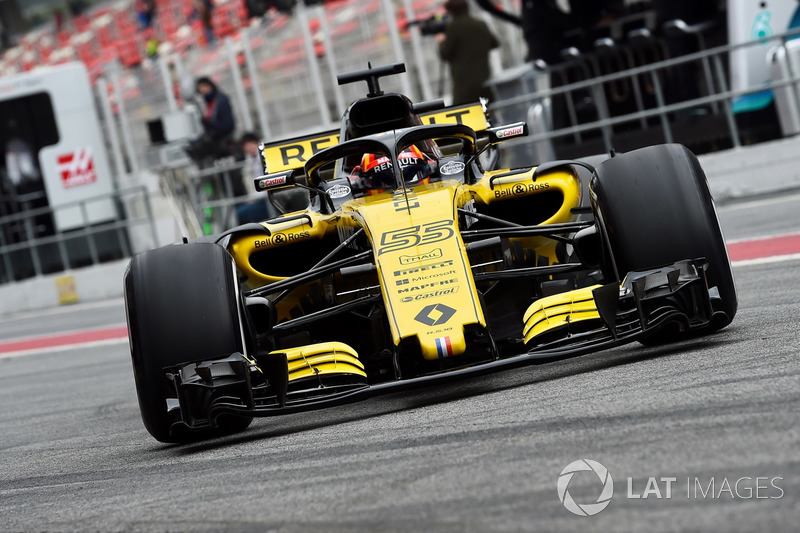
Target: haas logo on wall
77 168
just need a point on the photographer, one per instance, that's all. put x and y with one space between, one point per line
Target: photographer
218 123
465 44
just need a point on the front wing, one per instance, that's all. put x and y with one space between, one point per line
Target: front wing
643 304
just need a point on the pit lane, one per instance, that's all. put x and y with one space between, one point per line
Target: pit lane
479 455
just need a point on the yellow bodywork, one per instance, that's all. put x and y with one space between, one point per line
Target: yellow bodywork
283 234
551 312
424 273
422 265
325 358
516 184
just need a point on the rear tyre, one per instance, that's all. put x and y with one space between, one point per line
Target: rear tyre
654 208
182 306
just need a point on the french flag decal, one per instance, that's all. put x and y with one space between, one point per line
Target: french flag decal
444 347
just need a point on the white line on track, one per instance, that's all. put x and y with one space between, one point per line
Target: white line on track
755 204
71 308
765 260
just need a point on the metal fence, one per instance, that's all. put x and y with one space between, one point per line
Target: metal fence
705 121
280 73
577 118
204 200
31 245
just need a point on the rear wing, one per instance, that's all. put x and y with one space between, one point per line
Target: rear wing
291 154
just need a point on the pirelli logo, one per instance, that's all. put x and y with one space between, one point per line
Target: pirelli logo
293 153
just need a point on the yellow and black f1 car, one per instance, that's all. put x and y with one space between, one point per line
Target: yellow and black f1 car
403 258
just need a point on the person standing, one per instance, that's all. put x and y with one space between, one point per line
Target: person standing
218 121
145 13
257 208
465 45
203 10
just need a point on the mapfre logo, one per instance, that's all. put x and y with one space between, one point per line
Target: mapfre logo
77 168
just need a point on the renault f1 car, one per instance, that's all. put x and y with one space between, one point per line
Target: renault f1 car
403 258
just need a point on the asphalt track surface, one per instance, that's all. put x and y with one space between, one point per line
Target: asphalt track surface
478 455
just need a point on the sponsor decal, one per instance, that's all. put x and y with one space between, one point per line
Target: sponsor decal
443 347
429 285
426 295
76 168
67 293
417 279
280 238
338 191
435 275
510 132
452 167
435 314
519 189
266 183
433 254
294 154
400 239
402 202
473 116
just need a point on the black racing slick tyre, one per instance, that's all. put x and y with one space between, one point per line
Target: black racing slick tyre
654 208
182 306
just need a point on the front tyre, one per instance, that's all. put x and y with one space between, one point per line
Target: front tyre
182 306
653 208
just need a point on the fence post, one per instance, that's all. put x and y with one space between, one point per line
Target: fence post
512 34
599 95
419 58
149 211
133 160
255 84
394 37
111 126
660 103
37 264
723 86
163 67
238 86
313 67
6 259
62 251
89 233
330 57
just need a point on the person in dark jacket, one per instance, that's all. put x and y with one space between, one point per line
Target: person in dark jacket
465 45
218 121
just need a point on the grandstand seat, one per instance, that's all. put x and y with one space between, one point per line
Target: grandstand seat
130 54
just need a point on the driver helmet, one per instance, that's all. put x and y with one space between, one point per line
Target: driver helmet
376 174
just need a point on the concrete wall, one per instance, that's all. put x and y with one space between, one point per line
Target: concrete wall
755 170
99 282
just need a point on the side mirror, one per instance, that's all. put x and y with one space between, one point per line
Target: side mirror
275 181
499 134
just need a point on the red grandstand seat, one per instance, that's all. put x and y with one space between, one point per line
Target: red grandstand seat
63 37
81 23
129 52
